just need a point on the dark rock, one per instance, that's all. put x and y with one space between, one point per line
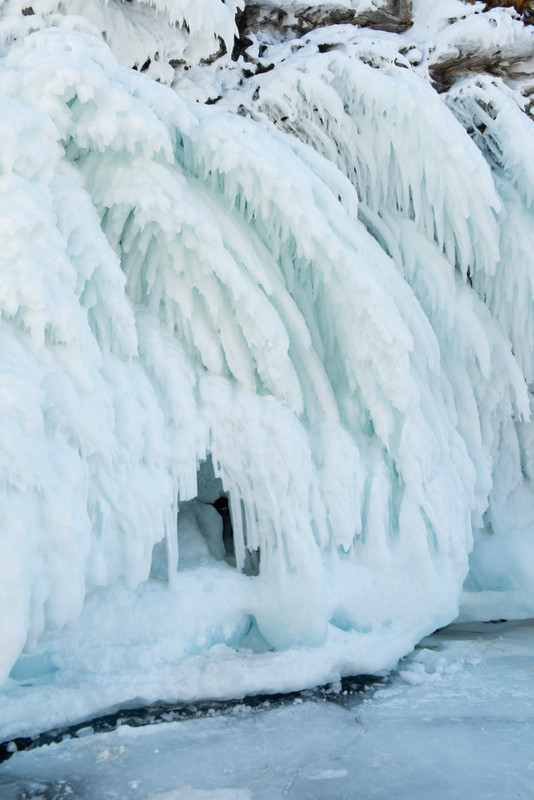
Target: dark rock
394 15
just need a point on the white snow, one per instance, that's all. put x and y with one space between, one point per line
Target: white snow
455 721
143 34
311 300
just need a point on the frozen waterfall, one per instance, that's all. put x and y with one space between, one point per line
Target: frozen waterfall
265 405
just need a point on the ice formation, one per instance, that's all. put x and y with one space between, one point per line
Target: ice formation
265 361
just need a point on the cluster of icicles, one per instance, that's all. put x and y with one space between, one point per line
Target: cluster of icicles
338 316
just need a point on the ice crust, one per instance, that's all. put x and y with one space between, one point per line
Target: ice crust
321 289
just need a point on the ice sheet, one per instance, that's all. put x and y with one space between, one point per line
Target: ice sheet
456 719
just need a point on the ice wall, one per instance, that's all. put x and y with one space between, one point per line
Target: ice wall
336 314
459 211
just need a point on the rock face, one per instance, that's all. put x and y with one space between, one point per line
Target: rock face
297 19
510 58
514 63
524 7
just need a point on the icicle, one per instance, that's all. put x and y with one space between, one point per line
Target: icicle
183 283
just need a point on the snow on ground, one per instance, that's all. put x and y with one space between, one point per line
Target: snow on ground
455 720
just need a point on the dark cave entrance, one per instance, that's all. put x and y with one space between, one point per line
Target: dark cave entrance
205 528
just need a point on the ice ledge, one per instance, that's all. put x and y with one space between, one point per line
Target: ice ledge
222 673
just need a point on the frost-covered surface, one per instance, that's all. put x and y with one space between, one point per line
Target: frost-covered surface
151 35
456 720
311 300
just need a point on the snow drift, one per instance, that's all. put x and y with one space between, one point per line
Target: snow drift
265 362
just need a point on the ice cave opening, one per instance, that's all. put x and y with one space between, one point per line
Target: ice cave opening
204 531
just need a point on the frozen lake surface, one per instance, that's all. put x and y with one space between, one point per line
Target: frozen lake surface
455 720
